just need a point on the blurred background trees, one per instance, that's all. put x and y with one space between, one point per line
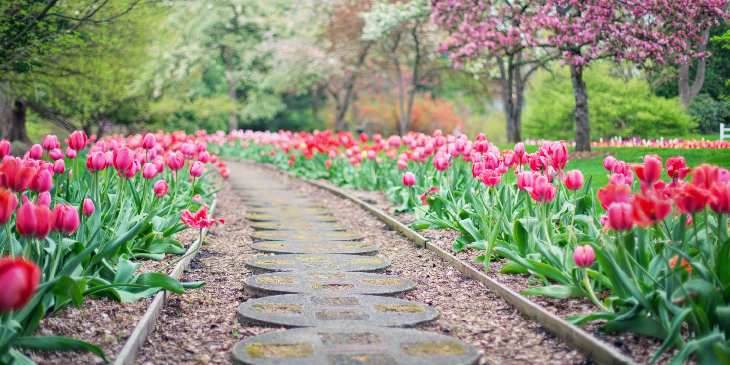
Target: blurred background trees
383 66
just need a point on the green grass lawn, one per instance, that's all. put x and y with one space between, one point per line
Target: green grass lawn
593 167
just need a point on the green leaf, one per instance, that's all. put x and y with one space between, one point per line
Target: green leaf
58 343
160 280
512 267
640 324
520 237
193 284
554 291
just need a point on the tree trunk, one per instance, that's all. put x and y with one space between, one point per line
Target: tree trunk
582 124
17 123
415 75
512 97
232 85
688 92
343 105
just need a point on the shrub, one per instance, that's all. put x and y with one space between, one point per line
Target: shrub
618 106
709 113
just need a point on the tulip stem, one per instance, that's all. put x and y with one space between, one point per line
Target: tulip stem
591 294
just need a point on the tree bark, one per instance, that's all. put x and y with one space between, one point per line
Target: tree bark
688 92
582 123
513 89
343 104
415 75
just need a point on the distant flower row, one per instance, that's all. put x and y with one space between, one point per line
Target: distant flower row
670 143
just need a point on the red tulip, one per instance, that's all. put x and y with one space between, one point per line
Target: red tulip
613 193
160 188
196 169
620 216
50 142
542 190
123 159
649 209
490 177
77 140
198 220
8 203
650 171
683 263
584 256
691 199
149 141
44 199
16 174
720 198
704 176
573 180
33 220
87 207
409 179
5 148
677 168
19 279
65 218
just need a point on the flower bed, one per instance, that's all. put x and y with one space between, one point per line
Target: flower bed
76 223
651 254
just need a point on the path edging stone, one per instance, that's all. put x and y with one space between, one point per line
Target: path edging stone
144 327
597 349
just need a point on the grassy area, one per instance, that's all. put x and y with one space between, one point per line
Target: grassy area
593 167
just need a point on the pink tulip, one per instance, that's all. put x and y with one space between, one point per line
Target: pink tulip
573 180
149 141
149 171
620 216
525 179
609 162
77 140
175 161
65 219
96 161
196 169
188 149
441 162
35 152
542 190
409 179
123 159
70 153
44 199
33 220
42 181
55 154
584 256
87 208
5 148
59 166
19 279
50 142
160 188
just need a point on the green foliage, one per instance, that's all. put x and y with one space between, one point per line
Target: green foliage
618 106
709 113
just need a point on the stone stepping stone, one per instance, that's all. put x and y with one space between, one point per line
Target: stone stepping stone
291 211
317 262
280 217
326 283
307 310
305 235
353 346
321 247
294 226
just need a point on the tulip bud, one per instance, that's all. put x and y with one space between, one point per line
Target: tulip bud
123 159
44 199
19 279
33 220
175 161
87 208
50 142
42 181
196 169
160 188
70 153
55 154
96 161
409 179
584 256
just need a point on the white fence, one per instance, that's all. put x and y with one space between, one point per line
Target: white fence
724 132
